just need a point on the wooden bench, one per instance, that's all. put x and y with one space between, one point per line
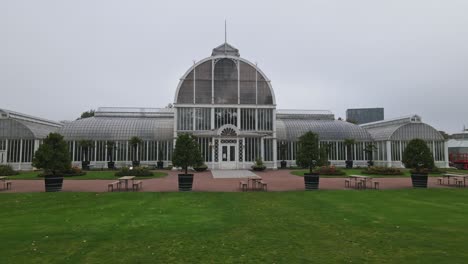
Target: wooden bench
359 185
137 185
110 186
263 185
440 180
243 186
8 185
347 183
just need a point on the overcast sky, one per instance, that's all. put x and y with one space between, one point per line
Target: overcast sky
60 58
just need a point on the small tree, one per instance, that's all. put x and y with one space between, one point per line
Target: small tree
369 150
324 150
283 147
86 145
110 145
308 151
135 142
53 155
87 114
187 152
418 156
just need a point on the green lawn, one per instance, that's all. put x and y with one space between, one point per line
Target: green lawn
404 226
406 173
90 175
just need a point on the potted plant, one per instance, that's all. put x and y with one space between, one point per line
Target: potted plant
307 156
349 143
186 154
418 157
283 149
110 145
160 163
86 146
135 142
54 158
258 166
369 150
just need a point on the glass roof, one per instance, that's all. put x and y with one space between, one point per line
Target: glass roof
119 128
292 129
22 129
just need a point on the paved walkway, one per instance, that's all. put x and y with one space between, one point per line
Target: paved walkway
279 180
232 174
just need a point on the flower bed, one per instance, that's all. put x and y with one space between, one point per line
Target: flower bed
382 171
329 170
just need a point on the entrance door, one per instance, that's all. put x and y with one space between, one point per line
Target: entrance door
228 156
2 157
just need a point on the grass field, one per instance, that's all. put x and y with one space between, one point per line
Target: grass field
90 175
404 226
406 173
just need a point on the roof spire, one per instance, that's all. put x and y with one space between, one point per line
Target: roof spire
225 36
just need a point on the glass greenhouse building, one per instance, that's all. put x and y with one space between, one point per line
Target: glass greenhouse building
229 104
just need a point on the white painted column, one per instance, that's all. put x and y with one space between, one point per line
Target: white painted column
262 149
212 118
238 118
126 153
6 151
105 151
95 152
389 153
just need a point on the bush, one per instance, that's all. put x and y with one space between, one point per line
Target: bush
418 156
329 170
382 171
201 167
138 171
72 172
258 166
7 170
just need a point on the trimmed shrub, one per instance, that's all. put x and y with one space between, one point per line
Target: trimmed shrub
137 171
7 170
329 170
382 171
72 172
258 166
418 157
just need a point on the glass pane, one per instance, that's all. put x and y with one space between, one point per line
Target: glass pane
225 153
232 153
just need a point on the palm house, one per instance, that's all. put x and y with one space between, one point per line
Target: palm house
229 104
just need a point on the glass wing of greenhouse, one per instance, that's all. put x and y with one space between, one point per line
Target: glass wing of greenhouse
229 104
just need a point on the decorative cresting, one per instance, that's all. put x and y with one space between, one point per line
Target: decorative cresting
228 131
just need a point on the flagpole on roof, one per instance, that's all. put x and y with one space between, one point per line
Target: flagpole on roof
225 36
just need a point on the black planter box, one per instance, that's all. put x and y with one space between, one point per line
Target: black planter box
111 165
185 182
85 165
284 164
311 181
53 183
136 163
160 165
419 180
349 164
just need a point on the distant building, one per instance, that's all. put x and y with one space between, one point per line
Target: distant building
364 115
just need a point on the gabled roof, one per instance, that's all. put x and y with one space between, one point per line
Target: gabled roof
225 49
402 128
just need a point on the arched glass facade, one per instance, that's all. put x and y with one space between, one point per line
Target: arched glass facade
229 104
